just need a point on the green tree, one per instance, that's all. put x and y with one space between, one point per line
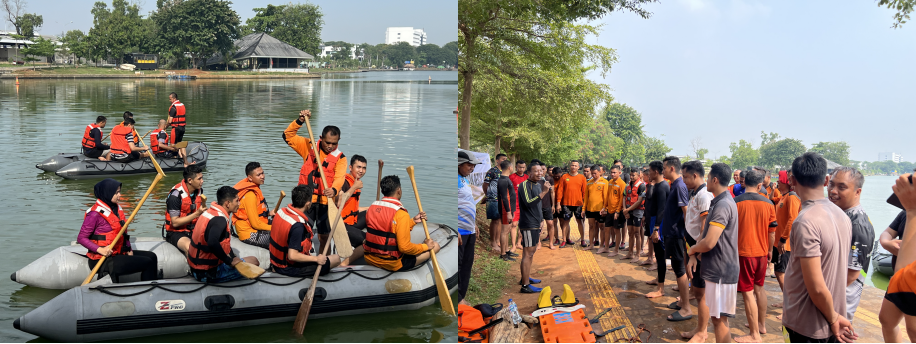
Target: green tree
781 153
76 43
548 33
298 25
27 23
598 144
903 7
656 149
342 50
837 152
200 28
42 47
626 124
452 48
766 139
116 31
398 53
743 155
701 154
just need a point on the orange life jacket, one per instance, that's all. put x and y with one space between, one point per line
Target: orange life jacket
245 186
633 195
154 140
310 175
179 119
103 240
199 255
380 236
279 236
88 141
119 144
470 319
350 210
187 203
136 139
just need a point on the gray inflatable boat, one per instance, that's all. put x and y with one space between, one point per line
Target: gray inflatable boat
65 267
78 166
105 311
882 260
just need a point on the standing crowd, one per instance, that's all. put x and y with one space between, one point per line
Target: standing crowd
722 239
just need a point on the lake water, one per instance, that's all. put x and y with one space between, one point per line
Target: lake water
874 201
399 117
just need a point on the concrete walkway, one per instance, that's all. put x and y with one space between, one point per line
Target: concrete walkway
600 282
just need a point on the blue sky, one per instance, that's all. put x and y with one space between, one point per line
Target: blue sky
726 70
351 21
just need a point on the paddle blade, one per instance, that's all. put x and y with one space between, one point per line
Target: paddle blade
341 240
303 316
445 297
182 144
250 271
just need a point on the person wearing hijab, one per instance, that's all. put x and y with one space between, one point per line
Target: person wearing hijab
101 225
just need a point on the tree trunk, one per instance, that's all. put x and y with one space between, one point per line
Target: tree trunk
498 142
505 332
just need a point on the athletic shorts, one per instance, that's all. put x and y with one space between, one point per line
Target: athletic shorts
260 239
676 249
783 262
618 223
167 155
319 213
696 281
572 211
307 270
177 134
595 215
634 221
126 158
173 237
92 152
504 217
775 255
853 297
531 237
407 262
648 223
547 213
753 272
721 299
222 273
516 214
795 337
493 210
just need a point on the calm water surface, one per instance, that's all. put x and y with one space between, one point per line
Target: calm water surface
398 117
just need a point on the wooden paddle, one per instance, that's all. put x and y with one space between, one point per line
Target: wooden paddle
378 186
280 201
344 250
182 144
130 219
445 298
306 306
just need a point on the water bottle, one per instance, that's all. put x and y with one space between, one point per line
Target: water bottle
513 312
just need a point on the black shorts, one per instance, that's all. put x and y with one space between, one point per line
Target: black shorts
173 237
634 221
547 213
783 262
775 256
92 152
408 262
177 134
319 214
618 223
697 281
572 211
676 249
307 270
129 158
167 155
531 237
595 215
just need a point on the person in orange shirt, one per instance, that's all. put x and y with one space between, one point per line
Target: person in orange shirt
786 212
388 229
756 235
615 221
570 189
354 216
333 161
595 195
252 220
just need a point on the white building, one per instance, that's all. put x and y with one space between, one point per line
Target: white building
416 37
890 156
356 53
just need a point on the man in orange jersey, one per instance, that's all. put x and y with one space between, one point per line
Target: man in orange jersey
252 220
332 161
570 189
615 221
596 190
388 229
756 235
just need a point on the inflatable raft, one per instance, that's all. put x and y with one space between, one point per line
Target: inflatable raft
883 261
78 166
105 311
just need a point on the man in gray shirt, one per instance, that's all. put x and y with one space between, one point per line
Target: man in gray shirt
718 249
844 190
820 245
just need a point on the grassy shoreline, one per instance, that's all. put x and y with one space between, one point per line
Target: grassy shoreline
489 274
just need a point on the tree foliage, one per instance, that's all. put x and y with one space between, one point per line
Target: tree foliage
701 153
75 42
298 25
903 8
626 124
743 155
116 31
837 152
598 144
42 47
27 23
766 139
656 149
200 28
781 153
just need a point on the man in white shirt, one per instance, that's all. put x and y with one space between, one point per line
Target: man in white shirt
694 219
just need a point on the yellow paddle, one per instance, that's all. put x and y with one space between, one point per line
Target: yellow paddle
306 306
445 298
378 186
130 219
280 201
344 250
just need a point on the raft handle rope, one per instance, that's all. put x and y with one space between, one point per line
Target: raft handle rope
155 284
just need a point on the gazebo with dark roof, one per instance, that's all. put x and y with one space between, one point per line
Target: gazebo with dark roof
260 51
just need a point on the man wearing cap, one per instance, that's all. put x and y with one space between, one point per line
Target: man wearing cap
467 220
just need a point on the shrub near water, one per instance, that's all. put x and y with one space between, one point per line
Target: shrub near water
489 274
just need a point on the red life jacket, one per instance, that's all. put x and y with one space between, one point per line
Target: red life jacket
350 210
187 203
105 239
154 140
179 119
633 195
88 141
380 236
119 144
310 175
199 255
279 236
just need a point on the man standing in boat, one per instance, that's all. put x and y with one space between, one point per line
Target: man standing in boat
388 243
333 161
177 120
210 257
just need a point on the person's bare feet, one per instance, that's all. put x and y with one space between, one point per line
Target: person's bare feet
652 268
186 164
643 254
674 287
779 317
647 262
495 249
519 247
688 335
601 250
635 260
776 305
553 247
699 337
655 294
628 256
612 254
761 328
684 312
748 339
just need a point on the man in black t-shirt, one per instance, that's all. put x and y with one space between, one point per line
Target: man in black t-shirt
529 223
658 201
893 235
506 198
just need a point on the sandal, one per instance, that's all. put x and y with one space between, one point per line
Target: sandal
676 316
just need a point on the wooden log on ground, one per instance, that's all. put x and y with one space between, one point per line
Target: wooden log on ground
505 332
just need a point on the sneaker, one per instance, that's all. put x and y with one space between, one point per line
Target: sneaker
529 289
623 246
507 258
570 243
562 244
512 254
530 281
596 243
556 243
